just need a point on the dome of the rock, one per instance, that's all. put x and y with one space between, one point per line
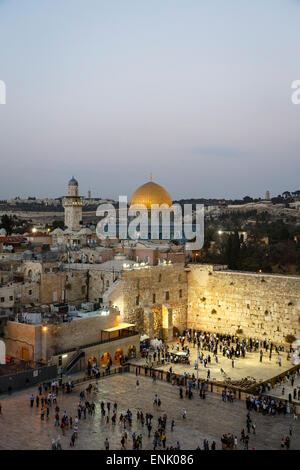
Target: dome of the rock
151 193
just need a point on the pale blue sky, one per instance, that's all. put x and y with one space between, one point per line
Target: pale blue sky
196 91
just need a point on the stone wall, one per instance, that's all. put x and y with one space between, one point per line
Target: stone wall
136 290
77 333
29 342
23 341
258 305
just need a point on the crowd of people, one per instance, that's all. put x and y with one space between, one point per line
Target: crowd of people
269 406
209 345
47 397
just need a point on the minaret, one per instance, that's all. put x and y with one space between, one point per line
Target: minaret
73 206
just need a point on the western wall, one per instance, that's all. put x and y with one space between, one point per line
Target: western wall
263 306
210 298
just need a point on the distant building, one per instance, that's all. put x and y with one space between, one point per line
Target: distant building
268 197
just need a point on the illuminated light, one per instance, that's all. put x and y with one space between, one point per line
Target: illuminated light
220 232
34 230
45 329
260 270
64 356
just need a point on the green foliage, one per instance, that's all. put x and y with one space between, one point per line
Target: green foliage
290 339
8 223
58 224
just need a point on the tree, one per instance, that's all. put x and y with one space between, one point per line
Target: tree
58 224
232 251
7 222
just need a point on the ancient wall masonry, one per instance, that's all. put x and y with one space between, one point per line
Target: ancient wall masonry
151 287
258 305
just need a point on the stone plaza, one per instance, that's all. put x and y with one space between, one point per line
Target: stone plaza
250 366
22 428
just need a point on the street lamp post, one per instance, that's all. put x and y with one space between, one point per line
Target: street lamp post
44 342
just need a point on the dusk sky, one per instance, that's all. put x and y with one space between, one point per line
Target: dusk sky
198 92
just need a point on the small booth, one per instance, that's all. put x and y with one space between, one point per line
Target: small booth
123 330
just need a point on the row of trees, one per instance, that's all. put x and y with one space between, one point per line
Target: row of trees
280 254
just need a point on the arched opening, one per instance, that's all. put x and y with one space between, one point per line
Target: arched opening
105 359
118 355
131 352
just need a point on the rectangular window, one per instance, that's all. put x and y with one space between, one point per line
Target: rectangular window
137 300
11 297
180 293
167 295
30 292
153 298
2 299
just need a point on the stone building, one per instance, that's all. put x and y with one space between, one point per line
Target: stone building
73 206
96 337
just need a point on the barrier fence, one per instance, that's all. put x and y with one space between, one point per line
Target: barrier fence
212 386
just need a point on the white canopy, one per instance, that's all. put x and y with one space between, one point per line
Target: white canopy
144 337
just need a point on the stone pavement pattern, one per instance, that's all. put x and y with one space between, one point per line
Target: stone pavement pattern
250 366
22 428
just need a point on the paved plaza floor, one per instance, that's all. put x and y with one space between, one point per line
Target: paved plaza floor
250 366
22 428
277 391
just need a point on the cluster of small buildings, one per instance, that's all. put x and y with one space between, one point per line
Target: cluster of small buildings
70 299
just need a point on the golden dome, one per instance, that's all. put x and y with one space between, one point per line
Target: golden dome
151 193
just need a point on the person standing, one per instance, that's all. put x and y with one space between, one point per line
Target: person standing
106 444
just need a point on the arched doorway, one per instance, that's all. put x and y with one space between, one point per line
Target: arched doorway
118 355
131 352
105 358
91 362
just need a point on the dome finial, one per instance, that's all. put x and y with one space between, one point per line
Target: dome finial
151 176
